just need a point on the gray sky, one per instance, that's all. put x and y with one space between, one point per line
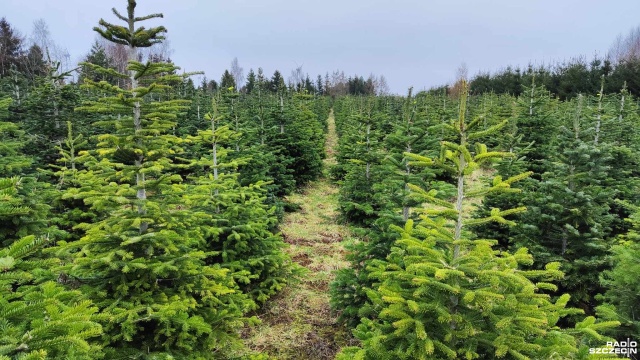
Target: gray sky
410 42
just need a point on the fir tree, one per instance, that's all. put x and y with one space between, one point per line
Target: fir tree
277 84
623 289
34 63
240 224
445 296
29 192
12 161
71 211
251 82
38 318
143 262
227 82
98 56
47 109
10 47
300 139
261 80
320 86
360 144
387 195
568 219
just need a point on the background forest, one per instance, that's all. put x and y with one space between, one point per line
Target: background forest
141 214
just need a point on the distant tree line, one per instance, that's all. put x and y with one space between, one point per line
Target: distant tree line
336 84
620 68
565 80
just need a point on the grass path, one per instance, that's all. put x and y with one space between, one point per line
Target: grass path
298 323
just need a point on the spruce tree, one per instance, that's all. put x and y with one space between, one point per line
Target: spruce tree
251 82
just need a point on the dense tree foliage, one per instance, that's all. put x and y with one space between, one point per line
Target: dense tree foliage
140 212
426 294
565 80
162 203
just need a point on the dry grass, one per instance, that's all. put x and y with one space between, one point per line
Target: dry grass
298 323
331 144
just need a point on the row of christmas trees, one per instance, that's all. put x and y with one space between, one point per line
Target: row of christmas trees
452 266
136 223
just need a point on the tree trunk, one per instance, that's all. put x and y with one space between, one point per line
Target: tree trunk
367 173
622 101
406 209
576 120
599 116
533 87
281 115
137 125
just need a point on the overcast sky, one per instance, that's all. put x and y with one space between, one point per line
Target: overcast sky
416 43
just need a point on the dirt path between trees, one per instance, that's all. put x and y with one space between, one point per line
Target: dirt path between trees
298 323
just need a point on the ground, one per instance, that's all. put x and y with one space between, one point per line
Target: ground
298 323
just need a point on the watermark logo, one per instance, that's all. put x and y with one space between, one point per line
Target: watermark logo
627 348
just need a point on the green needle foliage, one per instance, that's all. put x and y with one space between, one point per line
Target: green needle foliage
622 280
12 162
39 319
145 261
238 223
71 212
569 219
375 191
360 143
443 295
47 109
33 211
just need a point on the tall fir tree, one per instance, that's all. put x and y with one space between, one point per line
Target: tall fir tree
144 262
10 48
